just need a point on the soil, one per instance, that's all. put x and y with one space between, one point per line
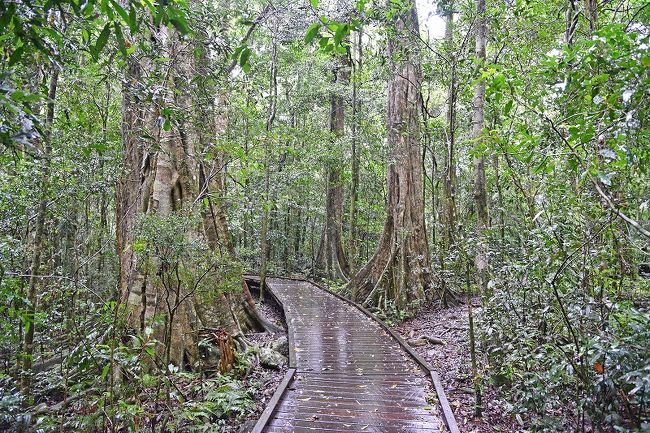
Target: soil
452 361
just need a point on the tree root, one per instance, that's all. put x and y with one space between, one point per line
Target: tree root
251 309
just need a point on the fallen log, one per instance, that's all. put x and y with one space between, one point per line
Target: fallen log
423 340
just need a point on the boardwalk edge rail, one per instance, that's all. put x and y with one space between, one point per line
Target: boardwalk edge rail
447 413
273 403
288 376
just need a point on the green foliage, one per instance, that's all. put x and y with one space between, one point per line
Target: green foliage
563 336
222 396
392 314
11 405
564 324
171 255
45 32
334 35
34 27
546 364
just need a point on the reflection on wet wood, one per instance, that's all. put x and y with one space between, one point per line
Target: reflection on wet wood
351 375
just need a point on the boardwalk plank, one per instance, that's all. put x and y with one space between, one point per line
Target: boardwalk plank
351 375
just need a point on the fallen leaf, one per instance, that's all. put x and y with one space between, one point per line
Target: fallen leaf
600 368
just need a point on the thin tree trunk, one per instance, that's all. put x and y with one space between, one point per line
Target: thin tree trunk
501 205
449 184
331 256
273 87
32 295
103 206
478 119
354 188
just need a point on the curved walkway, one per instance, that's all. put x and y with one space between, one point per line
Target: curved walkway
350 374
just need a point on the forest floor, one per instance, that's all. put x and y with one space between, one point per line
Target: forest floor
452 361
246 393
263 380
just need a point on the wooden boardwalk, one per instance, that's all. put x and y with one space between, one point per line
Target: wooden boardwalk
348 373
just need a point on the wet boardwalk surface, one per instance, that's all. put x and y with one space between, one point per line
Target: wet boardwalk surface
351 375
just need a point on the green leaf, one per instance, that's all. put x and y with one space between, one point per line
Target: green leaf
237 52
312 31
107 10
120 11
88 9
150 6
341 32
573 163
101 41
105 371
246 67
75 7
120 40
245 55
314 4
159 13
16 55
7 16
604 178
180 23
645 60
54 35
133 20
20 96
139 245
99 147
508 107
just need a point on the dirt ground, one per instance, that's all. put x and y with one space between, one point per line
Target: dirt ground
263 380
452 361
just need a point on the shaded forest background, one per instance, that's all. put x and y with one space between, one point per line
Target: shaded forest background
152 153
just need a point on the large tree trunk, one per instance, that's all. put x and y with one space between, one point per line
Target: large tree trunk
449 182
354 187
163 176
400 266
478 119
331 256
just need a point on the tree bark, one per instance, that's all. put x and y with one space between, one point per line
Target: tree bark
163 176
331 257
400 265
449 184
264 241
354 188
478 120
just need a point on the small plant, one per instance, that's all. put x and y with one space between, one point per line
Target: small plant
216 399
